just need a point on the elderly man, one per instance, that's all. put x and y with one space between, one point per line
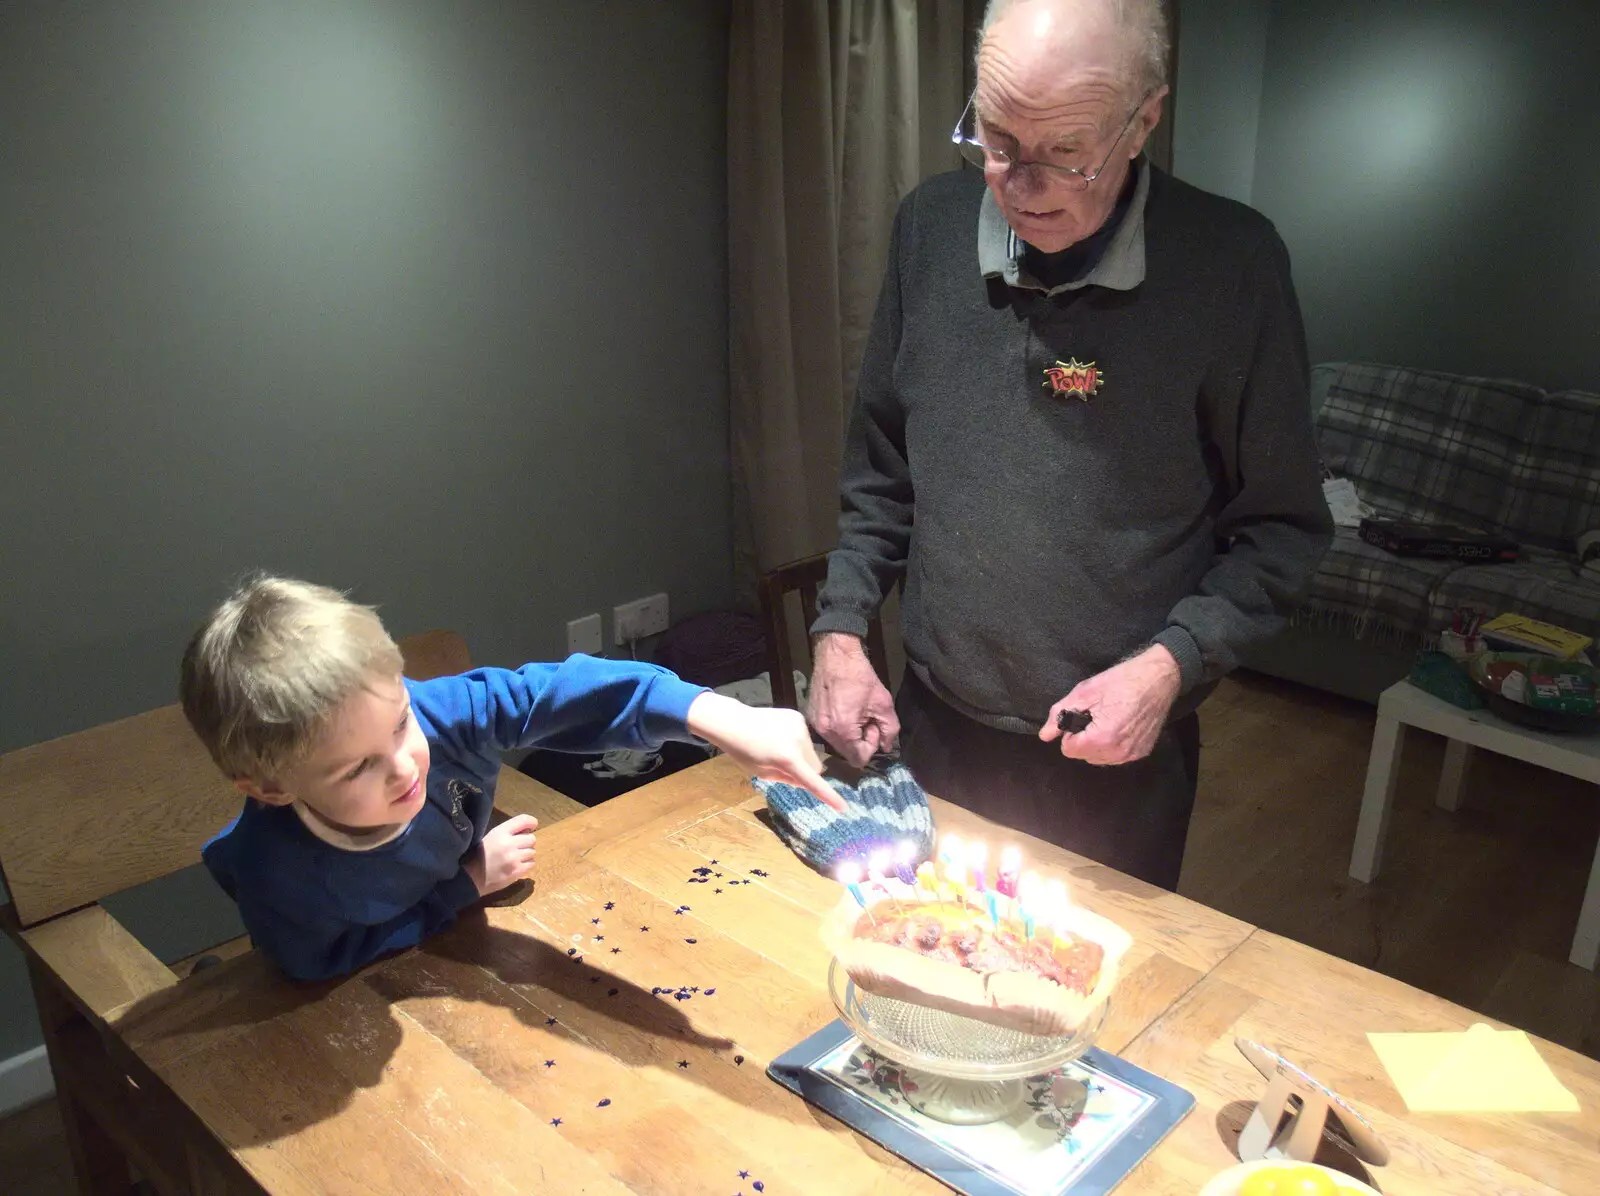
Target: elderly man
1082 441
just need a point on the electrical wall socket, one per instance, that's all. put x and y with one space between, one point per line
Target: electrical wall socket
586 635
639 618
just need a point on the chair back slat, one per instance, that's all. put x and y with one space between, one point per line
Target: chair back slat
101 810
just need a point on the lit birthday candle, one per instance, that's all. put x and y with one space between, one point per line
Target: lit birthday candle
1028 896
850 878
1010 871
904 862
950 859
878 863
978 864
1056 904
927 878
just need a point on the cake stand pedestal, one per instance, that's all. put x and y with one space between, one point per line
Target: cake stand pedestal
952 1068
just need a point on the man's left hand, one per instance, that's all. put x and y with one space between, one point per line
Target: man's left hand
1129 701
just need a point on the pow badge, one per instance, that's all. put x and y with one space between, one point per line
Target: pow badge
1074 379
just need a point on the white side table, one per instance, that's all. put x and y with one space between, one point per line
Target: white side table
1403 705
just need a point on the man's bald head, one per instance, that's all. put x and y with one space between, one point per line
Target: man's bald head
1131 34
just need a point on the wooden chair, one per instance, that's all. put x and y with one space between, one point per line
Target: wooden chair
92 814
803 577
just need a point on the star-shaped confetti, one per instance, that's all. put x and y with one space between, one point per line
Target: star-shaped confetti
644 930
611 905
555 1121
594 921
599 938
716 890
616 950
549 1062
549 1021
744 1175
683 1063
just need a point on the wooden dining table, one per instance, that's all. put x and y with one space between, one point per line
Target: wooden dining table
611 1034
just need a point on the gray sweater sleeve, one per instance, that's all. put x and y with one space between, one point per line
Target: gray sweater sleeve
875 491
1273 526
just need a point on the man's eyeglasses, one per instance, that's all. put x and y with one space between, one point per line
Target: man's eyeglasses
997 161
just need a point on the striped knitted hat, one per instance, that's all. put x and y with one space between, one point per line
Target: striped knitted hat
882 812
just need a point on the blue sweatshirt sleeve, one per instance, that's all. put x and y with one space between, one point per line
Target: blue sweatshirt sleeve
583 704
311 940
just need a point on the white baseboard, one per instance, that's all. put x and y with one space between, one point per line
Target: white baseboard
24 1080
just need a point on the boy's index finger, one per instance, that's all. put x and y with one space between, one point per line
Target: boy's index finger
820 789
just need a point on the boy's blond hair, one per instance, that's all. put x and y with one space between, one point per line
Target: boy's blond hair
265 672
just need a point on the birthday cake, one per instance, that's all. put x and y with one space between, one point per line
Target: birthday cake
962 953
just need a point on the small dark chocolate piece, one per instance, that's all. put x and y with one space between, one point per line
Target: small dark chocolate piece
1074 721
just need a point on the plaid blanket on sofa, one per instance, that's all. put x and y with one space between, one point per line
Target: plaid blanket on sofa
1485 453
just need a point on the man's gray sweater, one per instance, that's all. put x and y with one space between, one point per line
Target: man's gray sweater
1042 536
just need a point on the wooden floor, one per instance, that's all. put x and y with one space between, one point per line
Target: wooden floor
1478 906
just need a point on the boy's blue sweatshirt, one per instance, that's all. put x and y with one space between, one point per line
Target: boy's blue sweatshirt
321 911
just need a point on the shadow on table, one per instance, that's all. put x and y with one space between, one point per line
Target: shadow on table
280 1056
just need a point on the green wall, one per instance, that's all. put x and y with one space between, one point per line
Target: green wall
1432 166
423 299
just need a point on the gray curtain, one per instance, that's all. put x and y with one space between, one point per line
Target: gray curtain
836 108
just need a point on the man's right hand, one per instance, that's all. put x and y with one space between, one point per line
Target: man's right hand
850 707
504 856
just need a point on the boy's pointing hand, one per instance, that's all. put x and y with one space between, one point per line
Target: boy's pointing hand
769 743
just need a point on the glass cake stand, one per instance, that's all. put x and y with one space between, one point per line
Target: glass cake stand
954 1068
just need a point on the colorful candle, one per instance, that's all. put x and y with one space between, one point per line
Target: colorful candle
1010 869
878 863
850 878
927 878
950 857
977 863
1028 890
1056 904
905 856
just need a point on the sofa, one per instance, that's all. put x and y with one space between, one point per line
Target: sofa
1492 454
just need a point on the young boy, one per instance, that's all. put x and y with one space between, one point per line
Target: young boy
365 824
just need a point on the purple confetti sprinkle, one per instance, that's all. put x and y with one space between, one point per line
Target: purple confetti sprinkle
604 1101
680 996
738 1060
594 980
572 950
713 861
691 942
759 1186
612 992
711 992
719 875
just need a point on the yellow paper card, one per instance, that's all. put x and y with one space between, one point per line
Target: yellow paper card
1482 1070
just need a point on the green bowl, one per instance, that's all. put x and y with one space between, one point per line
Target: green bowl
1538 717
